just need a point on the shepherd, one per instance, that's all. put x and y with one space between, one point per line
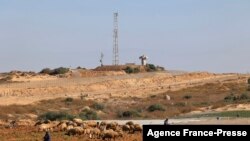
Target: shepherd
166 122
46 136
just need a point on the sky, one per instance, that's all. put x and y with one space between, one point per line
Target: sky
191 35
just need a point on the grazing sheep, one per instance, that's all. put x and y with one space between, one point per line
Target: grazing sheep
77 121
47 121
62 126
38 123
103 123
70 123
75 131
12 124
75 124
69 127
126 128
130 123
91 124
87 131
95 133
110 134
112 125
137 128
102 127
45 127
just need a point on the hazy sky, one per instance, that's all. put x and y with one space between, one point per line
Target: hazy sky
193 35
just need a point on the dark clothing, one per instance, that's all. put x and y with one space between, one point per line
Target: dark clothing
166 122
46 137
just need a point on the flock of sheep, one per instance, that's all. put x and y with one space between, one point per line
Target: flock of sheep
91 129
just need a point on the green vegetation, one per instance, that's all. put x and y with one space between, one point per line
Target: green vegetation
187 97
230 98
98 106
89 115
131 70
79 67
156 107
55 116
69 100
244 96
56 71
150 67
60 70
153 96
129 114
230 114
180 104
233 97
46 71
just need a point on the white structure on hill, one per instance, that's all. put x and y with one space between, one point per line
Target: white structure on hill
143 60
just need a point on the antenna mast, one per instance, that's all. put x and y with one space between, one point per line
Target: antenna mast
101 59
115 41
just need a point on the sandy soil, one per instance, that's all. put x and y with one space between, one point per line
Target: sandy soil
102 87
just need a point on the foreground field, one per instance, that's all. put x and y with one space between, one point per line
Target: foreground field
29 134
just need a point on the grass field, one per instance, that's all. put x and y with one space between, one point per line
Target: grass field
230 114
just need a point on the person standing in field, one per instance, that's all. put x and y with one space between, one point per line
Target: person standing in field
166 122
46 136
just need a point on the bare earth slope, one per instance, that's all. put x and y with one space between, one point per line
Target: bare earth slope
102 87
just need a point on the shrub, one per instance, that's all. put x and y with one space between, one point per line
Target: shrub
234 98
153 96
98 106
159 68
180 104
136 70
230 98
46 71
187 97
129 70
60 70
248 81
69 99
244 97
56 116
151 67
156 107
128 114
56 71
79 67
89 115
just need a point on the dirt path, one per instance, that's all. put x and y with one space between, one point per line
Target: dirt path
188 121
